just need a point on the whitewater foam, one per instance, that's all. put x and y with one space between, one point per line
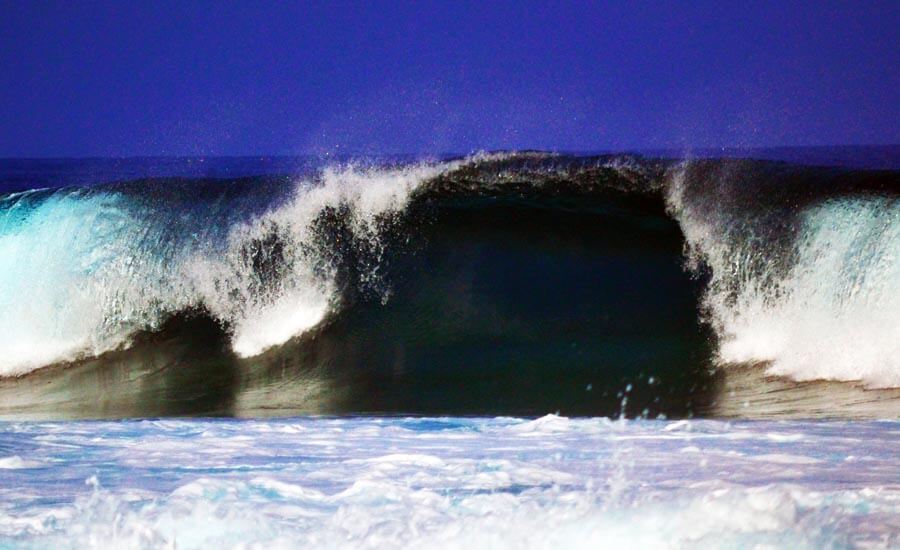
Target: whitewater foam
73 277
83 270
303 296
819 304
450 483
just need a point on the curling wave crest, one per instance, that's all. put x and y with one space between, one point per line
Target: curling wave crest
83 269
802 266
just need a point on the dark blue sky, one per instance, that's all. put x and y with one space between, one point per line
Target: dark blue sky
218 78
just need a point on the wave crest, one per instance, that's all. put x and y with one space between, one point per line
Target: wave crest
801 264
806 280
85 269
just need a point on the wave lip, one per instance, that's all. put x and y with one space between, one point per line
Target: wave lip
299 291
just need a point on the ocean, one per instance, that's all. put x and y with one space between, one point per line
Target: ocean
509 349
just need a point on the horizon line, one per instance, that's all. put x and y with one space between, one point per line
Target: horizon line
573 152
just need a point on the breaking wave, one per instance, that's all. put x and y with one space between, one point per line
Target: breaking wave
804 267
800 266
84 269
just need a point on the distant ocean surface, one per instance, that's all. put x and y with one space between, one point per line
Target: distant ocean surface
512 349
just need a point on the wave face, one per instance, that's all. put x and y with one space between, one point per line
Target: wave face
557 279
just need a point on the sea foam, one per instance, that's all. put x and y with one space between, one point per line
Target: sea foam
813 292
463 483
83 269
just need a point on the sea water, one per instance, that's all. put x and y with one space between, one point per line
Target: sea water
451 482
514 283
